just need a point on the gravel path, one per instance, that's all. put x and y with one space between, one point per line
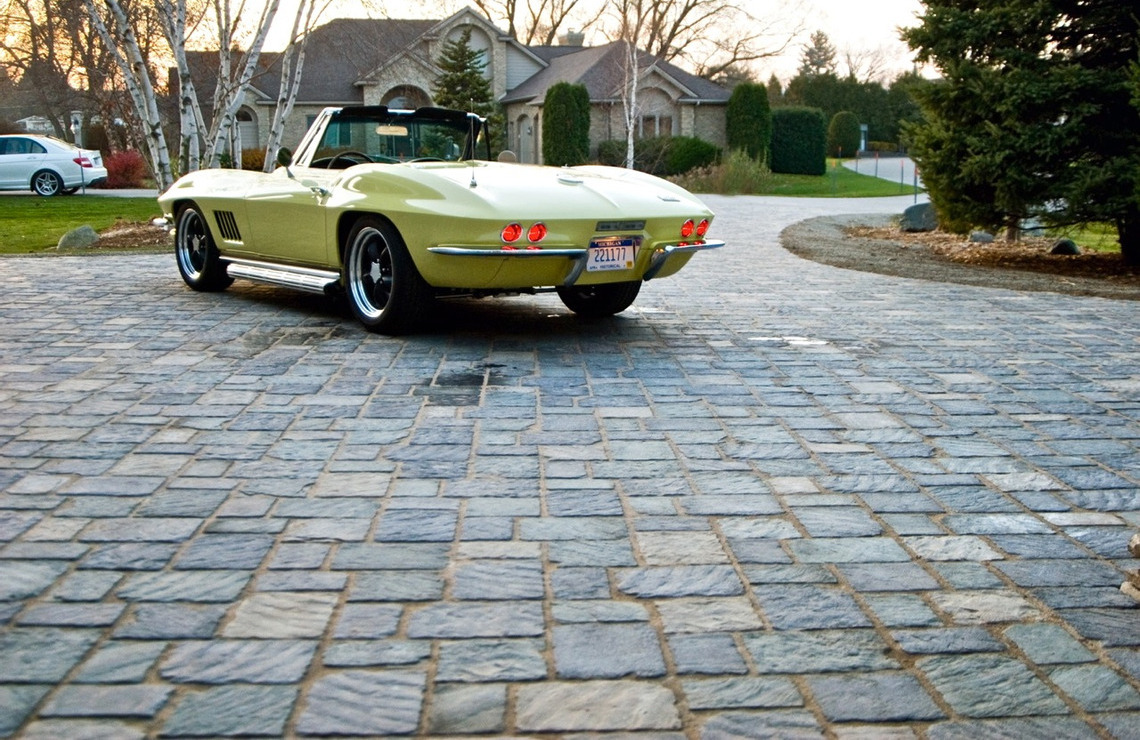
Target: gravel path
822 239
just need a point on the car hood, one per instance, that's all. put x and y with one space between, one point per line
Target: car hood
519 191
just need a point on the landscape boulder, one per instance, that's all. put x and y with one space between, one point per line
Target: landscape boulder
919 217
1065 246
981 237
79 238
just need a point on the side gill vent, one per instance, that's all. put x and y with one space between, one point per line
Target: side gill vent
227 226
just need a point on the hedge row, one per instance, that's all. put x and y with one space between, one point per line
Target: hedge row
799 141
662 156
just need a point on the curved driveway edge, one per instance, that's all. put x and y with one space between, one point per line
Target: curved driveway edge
775 498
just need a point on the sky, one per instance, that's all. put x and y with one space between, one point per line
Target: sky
858 28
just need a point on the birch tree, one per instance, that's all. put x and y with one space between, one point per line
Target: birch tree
633 17
175 26
123 45
234 74
292 63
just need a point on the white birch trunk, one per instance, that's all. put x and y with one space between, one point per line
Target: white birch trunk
629 101
292 63
228 98
136 77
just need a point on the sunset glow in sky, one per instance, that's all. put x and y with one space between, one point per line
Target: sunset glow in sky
856 27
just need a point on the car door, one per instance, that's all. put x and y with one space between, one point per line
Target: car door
20 157
287 218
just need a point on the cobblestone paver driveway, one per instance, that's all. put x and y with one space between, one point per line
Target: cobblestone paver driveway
774 499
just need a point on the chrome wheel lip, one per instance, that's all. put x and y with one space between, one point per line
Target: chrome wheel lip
358 268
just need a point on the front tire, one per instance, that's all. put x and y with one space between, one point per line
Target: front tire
198 259
383 286
599 301
47 183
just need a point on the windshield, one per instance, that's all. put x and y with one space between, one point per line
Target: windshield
376 134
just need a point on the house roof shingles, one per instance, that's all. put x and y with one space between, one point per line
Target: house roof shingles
343 52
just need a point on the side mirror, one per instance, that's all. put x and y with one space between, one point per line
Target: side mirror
284 156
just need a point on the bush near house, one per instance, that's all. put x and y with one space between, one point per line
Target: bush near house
253 159
748 120
799 141
687 153
566 125
125 169
661 155
844 135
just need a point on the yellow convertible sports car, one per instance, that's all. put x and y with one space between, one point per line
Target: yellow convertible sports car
396 209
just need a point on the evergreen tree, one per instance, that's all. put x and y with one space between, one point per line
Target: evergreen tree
566 125
462 84
818 57
775 92
748 121
1033 115
843 134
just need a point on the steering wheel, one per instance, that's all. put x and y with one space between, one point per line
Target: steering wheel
426 159
347 156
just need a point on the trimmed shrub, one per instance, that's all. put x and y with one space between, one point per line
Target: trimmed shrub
252 159
799 141
566 125
688 152
748 120
844 135
125 169
660 155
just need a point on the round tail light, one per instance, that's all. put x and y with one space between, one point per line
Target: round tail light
511 233
536 233
703 227
687 229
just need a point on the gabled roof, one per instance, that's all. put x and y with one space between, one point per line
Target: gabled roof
601 69
345 53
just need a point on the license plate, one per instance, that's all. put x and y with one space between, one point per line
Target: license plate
610 254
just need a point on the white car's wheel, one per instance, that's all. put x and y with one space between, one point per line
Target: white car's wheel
47 183
383 286
198 260
598 301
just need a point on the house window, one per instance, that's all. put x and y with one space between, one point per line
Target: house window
406 97
656 125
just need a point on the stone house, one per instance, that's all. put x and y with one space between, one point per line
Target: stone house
352 61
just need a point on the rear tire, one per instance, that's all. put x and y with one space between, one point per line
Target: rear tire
599 301
47 183
198 259
383 286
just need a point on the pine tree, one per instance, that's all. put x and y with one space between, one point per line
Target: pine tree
1033 115
461 84
818 56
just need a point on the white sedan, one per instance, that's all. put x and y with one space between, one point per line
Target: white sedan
46 165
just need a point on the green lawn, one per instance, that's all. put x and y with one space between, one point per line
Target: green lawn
839 182
30 223
1094 237
740 175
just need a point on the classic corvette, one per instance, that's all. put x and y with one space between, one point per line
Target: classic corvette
395 209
